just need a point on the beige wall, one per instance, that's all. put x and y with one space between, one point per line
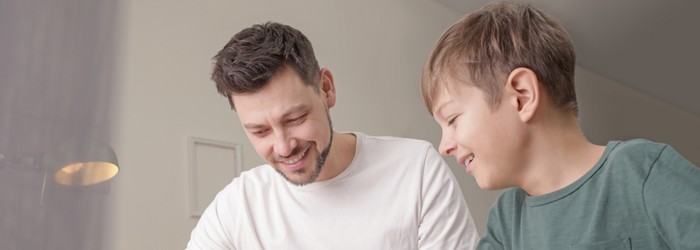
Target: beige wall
612 111
375 50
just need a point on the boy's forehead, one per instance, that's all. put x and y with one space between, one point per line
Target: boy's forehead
441 97
452 83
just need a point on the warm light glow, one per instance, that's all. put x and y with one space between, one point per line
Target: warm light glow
85 173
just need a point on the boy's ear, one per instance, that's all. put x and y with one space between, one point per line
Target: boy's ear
526 89
327 87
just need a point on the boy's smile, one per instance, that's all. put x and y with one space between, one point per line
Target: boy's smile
466 161
485 140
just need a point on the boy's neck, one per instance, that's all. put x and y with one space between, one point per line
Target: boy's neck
559 154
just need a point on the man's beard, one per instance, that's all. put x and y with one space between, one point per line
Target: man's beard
320 161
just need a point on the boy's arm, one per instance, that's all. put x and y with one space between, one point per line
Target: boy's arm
672 199
492 238
445 221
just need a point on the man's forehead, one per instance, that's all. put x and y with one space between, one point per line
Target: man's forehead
274 99
258 115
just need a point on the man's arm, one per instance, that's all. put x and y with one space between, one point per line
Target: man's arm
672 199
210 233
445 219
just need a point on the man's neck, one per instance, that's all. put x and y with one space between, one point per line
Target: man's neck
339 158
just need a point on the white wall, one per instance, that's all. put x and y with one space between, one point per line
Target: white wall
375 49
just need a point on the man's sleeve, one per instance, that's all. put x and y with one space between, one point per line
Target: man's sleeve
445 219
672 199
210 233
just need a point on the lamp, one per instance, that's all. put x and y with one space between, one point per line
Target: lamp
82 162
72 163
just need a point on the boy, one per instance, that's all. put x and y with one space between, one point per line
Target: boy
500 82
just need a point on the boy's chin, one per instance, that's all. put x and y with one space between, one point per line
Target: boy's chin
489 184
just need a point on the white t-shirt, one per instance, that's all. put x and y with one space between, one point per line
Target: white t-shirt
396 194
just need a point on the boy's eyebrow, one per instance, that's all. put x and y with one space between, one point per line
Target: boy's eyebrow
294 109
438 109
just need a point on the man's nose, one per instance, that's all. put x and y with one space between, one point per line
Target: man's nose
284 144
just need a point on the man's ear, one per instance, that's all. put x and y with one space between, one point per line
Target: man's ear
525 87
327 87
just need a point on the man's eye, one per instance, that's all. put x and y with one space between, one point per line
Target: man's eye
260 132
296 120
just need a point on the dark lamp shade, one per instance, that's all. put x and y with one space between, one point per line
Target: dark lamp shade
82 164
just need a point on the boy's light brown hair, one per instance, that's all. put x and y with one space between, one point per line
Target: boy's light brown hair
488 44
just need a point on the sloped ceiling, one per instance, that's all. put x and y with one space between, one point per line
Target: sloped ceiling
649 45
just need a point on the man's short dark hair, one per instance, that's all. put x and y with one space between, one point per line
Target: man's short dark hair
254 55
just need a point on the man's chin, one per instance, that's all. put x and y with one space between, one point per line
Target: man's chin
299 177
301 180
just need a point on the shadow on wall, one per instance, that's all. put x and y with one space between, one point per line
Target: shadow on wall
612 111
56 71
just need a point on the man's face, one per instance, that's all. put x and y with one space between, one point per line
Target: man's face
288 124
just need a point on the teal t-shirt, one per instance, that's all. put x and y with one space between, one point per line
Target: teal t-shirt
640 195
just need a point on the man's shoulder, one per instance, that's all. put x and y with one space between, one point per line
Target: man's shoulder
260 174
250 181
393 141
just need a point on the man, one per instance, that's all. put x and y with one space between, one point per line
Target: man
321 189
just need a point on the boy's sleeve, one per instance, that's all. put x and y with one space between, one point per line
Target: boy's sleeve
492 239
672 199
445 221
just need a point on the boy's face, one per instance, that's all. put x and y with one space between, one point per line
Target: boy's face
288 124
486 140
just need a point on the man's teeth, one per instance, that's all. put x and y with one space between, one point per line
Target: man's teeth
471 158
296 159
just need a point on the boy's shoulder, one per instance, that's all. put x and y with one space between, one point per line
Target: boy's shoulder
635 153
630 156
637 146
509 202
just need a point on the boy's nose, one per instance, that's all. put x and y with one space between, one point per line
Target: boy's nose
447 145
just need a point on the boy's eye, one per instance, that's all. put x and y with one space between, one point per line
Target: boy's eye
452 120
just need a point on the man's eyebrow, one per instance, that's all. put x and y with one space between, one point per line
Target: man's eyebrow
294 109
252 126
